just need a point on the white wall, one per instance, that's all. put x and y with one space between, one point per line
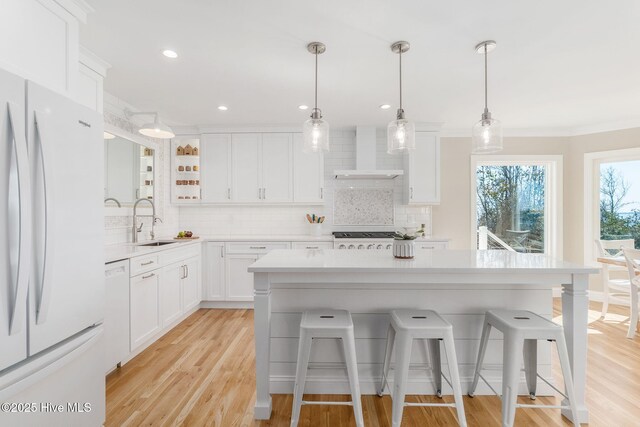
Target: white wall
207 220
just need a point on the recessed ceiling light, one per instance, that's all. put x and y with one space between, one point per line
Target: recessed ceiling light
223 107
385 106
303 107
170 53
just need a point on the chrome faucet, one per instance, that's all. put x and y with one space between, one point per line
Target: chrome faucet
135 230
113 199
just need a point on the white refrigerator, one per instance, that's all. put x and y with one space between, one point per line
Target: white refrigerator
51 259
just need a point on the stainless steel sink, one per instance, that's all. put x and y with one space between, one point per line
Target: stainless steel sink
157 243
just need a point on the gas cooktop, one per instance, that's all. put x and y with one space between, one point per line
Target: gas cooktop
363 234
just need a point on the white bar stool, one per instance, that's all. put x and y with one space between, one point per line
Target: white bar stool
326 324
522 330
407 325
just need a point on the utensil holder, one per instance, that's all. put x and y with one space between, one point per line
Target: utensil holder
315 229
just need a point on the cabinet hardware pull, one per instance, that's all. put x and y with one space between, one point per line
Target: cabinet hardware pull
149 275
184 272
321 192
146 263
229 193
186 269
411 189
264 194
312 247
257 247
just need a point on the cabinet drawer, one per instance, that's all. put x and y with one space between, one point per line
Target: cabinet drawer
143 264
179 253
431 245
255 247
312 245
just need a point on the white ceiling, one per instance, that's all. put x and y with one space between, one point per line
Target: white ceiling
559 67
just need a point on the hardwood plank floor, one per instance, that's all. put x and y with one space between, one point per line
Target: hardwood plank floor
201 373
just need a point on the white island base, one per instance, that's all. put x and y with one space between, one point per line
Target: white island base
460 285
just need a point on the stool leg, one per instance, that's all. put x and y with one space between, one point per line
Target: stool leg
304 350
436 364
349 345
512 359
563 355
484 340
403 358
452 360
530 353
391 336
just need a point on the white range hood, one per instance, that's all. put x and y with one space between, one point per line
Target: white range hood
366 159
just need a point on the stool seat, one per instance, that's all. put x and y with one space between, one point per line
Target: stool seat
326 319
418 320
524 322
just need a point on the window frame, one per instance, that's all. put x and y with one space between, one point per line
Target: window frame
591 203
553 224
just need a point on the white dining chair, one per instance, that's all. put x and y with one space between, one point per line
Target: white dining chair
617 288
632 257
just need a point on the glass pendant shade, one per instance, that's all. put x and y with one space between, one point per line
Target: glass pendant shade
315 135
401 136
487 137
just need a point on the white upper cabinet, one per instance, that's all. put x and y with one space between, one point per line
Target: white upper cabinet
422 171
40 42
245 169
215 170
276 167
308 173
265 167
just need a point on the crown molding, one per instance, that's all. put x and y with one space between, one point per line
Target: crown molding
78 8
93 61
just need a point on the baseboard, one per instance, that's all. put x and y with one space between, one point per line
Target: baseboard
227 304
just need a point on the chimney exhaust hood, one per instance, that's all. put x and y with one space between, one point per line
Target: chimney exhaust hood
366 159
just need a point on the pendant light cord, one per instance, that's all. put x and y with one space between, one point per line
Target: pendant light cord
316 88
400 53
485 79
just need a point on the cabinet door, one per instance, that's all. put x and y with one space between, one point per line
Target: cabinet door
191 283
276 167
144 306
422 185
116 316
245 160
239 280
308 173
214 283
170 293
215 167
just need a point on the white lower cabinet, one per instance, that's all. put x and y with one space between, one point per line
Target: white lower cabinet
116 316
213 288
239 280
190 284
170 293
144 307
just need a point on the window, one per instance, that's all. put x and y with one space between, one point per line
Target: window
620 200
515 202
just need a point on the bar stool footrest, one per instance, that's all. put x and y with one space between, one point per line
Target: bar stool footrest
319 402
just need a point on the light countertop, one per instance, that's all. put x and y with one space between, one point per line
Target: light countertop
432 261
122 251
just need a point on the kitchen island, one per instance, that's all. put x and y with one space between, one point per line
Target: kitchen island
459 284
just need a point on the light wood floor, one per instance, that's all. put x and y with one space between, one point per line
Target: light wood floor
202 374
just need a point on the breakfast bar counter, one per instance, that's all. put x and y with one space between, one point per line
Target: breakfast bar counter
459 284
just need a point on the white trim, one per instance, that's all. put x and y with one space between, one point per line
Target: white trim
591 200
93 61
553 218
78 8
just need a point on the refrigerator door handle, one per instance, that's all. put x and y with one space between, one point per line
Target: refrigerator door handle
42 308
24 203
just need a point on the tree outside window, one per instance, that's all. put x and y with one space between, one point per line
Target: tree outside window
620 201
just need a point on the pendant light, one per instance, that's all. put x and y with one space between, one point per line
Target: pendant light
315 131
155 129
487 133
400 132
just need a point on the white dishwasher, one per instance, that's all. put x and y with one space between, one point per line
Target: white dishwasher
116 318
